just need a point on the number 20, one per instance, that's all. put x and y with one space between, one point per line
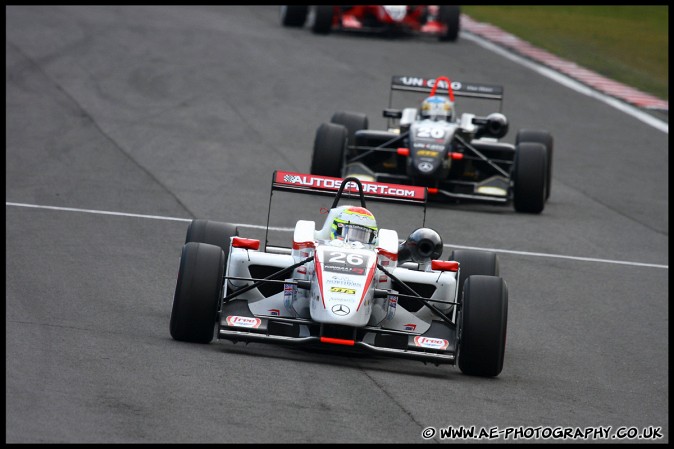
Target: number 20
427 131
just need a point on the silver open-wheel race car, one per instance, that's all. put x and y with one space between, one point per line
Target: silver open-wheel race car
355 292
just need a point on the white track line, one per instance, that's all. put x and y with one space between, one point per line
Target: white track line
570 83
245 225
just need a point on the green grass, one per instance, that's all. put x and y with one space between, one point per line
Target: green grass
629 44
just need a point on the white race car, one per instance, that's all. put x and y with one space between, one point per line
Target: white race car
340 286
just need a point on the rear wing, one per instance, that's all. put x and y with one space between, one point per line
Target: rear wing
460 89
446 87
326 185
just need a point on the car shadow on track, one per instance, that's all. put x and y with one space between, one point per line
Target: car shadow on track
341 358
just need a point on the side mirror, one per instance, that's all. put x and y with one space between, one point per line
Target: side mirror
493 125
393 113
422 246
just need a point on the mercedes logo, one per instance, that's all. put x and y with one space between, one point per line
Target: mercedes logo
425 166
340 309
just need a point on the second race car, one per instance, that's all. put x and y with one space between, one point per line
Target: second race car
459 158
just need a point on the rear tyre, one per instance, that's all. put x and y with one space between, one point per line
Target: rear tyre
323 19
329 147
482 326
542 137
352 121
211 232
529 176
474 262
294 15
450 16
198 293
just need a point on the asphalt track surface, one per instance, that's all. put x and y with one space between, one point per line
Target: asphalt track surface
185 112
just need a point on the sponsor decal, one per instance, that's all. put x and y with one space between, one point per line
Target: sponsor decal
348 291
243 321
384 263
421 82
409 326
274 312
392 304
383 278
343 282
369 188
427 153
340 310
411 81
431 343
344 269
429 146
302 270
289 296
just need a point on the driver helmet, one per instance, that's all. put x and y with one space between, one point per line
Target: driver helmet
354 224
436 108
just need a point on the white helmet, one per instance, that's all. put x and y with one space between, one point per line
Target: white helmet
437 107
354 224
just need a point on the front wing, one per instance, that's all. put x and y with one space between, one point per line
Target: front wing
437 345
495 189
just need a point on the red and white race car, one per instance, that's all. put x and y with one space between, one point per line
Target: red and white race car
442 21
345 283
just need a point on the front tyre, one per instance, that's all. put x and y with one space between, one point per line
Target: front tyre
198 292
482 326
529 176
211 232
450 16
474 262
323 18
329 146
542 137
352 121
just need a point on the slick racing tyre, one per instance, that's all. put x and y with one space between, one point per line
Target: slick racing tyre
198 293
352 121
474 262
211 232
545 138
329 147
482 326
450 16
294 15
322 19
529 176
